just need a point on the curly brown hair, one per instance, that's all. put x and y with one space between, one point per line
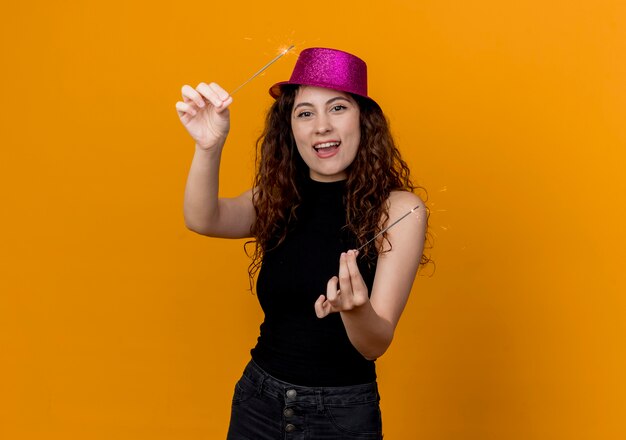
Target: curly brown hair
377 169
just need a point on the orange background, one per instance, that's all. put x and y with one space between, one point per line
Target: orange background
118 323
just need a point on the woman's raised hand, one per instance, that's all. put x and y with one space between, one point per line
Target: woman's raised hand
345 292
204 113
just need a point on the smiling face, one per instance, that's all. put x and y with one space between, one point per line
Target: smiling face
326 129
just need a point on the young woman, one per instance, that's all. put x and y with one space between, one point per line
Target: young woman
329 178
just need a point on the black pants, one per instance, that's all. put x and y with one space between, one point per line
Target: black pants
266 408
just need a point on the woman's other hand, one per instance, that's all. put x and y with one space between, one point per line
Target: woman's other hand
204 113
346 292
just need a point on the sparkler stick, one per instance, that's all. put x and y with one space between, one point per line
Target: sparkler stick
387 228
263 68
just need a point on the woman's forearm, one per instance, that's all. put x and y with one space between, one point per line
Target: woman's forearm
201 191
369 333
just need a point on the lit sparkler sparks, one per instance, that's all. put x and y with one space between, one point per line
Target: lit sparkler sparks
262 69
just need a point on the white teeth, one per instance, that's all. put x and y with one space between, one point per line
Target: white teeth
326 145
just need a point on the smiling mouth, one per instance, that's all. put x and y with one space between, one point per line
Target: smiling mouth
326 146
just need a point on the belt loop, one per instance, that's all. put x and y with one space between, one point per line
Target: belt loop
320 400
259 389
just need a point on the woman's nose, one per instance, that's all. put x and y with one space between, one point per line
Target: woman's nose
323 125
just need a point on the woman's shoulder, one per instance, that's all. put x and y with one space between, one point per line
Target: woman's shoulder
401 202
407 237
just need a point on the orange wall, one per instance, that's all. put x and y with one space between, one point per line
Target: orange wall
118 323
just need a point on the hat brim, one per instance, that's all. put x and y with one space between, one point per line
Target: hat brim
275 90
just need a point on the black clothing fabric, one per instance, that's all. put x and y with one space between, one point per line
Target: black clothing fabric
295 345
265 408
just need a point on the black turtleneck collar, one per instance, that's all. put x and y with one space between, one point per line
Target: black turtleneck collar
311 186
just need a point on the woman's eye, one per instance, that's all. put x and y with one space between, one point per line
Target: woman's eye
338 108
304 114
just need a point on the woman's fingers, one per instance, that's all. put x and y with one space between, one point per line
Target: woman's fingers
344 275
204 113
322 307
214 94
221 93
199 97
356 280
191 95
346 291
329 303
225 104
185 109
332 292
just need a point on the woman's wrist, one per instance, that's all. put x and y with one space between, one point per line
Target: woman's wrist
209 149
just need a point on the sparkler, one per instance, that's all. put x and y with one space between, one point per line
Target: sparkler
263 68
387 228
